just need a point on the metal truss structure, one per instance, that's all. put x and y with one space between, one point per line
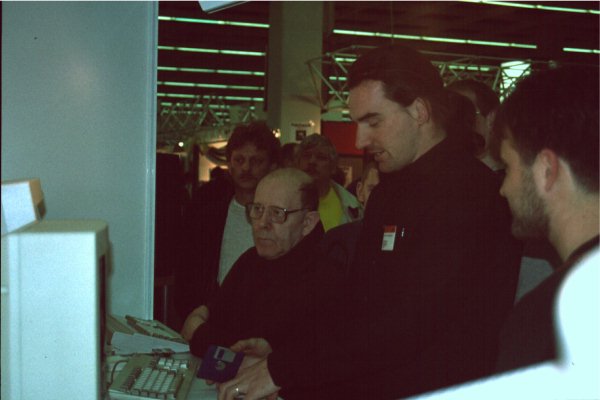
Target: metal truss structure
208 119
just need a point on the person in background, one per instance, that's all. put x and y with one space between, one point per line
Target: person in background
368 180
288 157
317 156
218 232
486 102
435 268
268 291
546 134
539 257
340 242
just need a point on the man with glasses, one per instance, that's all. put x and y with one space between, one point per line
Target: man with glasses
267 294
217 230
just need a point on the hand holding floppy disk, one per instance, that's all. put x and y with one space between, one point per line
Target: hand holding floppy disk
220 364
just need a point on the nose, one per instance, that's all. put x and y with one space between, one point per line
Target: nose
246 165
362 138
264 222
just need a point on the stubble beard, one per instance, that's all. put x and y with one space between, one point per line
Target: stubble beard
530 221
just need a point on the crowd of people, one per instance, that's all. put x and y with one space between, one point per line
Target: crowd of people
408 286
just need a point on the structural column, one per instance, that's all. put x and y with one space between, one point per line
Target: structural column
295 36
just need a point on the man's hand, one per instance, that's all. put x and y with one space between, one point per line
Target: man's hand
255 347
193 321
254 383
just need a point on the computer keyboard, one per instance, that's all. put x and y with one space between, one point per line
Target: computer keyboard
154 377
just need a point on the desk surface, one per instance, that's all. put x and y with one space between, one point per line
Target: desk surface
201 391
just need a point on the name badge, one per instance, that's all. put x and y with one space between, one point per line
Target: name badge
389 237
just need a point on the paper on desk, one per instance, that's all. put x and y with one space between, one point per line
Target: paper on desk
124 343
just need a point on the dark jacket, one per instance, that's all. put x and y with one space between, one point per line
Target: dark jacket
426 313
196 279
529 335
263 298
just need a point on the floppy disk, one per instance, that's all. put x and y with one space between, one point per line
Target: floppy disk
220 364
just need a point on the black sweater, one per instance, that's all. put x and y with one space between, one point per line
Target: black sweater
263 298
427 313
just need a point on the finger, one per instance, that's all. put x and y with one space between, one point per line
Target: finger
239 345
226 390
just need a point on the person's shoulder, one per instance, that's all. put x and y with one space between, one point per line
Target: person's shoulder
342 230
473 172
244 265
348 200
343 236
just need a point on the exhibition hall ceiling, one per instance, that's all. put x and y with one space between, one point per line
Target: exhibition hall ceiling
223 54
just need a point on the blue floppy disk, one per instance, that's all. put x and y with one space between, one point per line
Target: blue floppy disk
220 364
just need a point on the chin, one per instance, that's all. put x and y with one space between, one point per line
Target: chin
247 184
267 255
266 252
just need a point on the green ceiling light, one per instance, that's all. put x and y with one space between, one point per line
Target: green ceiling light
376 34
444 40
210 71
470 68
177 95
434 39
242 98
243 53
195 96
209 85
576 50
213 51
506 4
535 6
213 22
345 59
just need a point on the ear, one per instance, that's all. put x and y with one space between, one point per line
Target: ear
419 111
489 119
311 219
546 168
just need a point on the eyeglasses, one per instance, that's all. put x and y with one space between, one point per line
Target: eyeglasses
276 215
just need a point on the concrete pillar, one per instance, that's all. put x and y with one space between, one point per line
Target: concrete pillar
295 36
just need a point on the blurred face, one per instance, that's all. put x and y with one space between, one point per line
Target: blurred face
364 189
273 240
385 128
530 219
315 161
482 125
247 166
